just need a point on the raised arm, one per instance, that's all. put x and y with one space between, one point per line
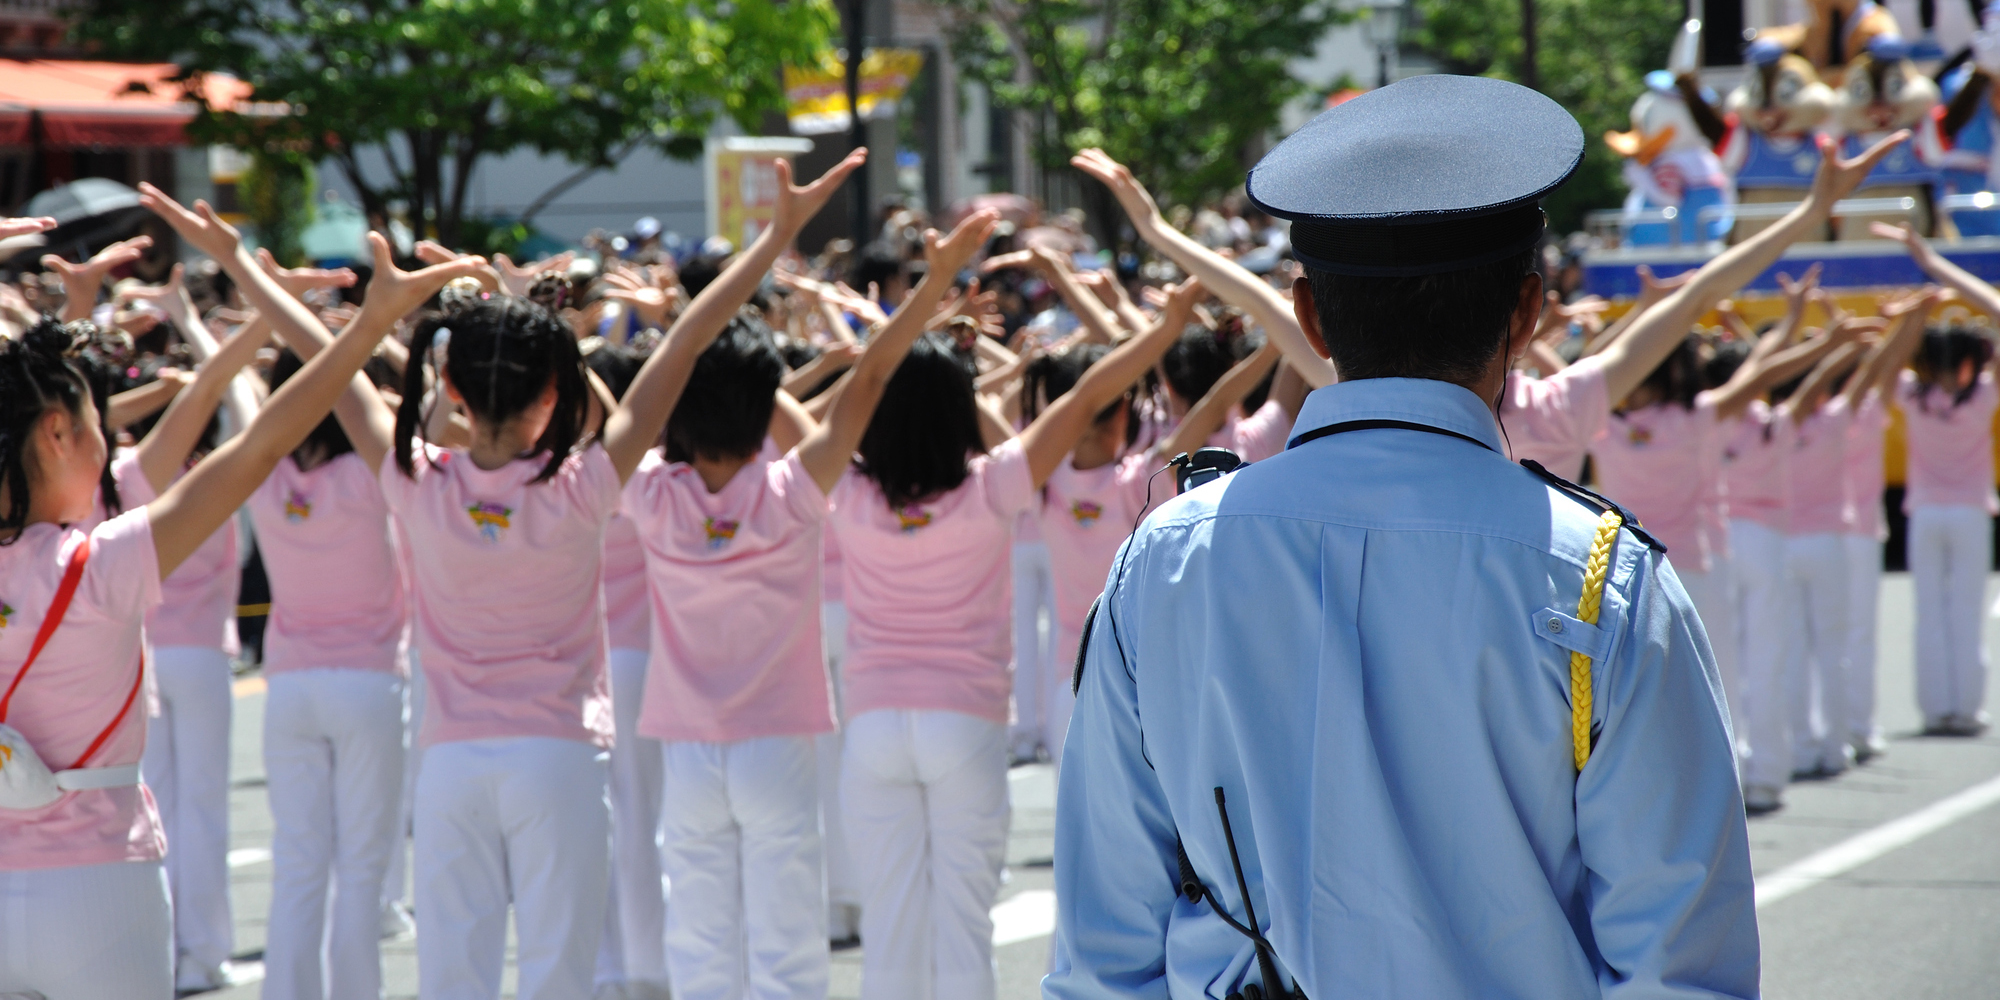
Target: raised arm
1978 294
827 450
1813 391
1653 336
81 282
1890 353
190 510
1089 309
240 397
133 405
1226 279
1057 430
634 426
1757 375
166 447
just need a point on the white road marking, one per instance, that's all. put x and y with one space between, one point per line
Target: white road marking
245 856
1025 917
1864 847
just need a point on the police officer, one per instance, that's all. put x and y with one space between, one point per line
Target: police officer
1389 715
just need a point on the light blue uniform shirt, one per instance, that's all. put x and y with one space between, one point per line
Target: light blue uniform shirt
1352 640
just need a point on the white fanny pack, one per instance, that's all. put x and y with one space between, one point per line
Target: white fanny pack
26 782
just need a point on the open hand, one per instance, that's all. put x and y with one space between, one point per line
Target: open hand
81 281
394 293
947 255
300 280
1838 177
10 228
517 278
202 228
1132 196
797 205
652 302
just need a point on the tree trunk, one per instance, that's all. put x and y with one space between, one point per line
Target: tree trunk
1529 77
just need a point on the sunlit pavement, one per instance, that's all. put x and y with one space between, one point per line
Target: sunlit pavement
1889 875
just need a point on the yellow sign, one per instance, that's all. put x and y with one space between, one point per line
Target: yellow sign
816 96
743 183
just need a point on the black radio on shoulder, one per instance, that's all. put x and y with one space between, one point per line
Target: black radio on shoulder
1205 466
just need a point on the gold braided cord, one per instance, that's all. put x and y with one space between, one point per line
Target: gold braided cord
1594 573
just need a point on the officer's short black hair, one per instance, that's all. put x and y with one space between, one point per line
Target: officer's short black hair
1445 326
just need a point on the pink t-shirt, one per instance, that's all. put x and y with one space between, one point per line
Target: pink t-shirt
832 567
734 583
336 590
1753 466
508 594
1262 434
133 490
1866 439
198 601
1951 447
930 590
626 619
1086 515
77 686
1661 463
1554 420
1816 497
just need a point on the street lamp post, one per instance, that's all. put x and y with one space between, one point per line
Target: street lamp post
1385 22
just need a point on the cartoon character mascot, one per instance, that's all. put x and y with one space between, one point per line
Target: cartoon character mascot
1669 164
1966 166
1884 91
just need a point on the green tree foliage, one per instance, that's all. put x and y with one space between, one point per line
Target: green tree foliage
1592 59
441 84
1179 90
276 193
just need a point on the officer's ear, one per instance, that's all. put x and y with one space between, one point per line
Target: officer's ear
1527 316
1307 312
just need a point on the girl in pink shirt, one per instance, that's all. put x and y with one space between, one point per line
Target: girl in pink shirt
333 720
1098 494
1948 406
924 518
91 918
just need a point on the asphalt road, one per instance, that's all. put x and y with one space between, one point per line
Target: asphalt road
1883 883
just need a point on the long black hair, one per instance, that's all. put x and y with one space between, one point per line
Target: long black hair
1051 376
1943 350
327 441
725 411
39 372
926 426
1681 377
1200 358
501 354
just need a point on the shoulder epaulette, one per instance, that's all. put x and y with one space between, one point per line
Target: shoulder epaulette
1595 501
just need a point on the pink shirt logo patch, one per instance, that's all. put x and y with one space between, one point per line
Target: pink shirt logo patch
1085 512
911 518
491 519
1640 435
6 613
298 507
719 531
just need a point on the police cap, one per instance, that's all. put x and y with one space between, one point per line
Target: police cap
1430 174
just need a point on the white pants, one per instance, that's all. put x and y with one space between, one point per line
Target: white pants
186 764
396 885
94 932
634 945
333 752
1816 682
519 820
1764 609
1864 589
1034 639
740 844
1714 595
927 792
842 887
1950 550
